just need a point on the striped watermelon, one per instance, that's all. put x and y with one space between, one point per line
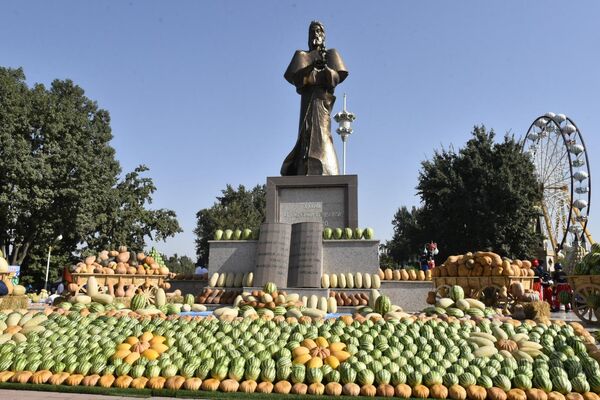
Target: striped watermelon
137 302
269 288
457 293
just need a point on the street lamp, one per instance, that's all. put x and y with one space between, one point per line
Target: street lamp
344 119
58 239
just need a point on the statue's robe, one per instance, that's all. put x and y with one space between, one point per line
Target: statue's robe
314 153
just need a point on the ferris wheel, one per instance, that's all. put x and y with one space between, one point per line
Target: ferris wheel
558 152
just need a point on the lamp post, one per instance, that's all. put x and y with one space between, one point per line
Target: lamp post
58 239
344 119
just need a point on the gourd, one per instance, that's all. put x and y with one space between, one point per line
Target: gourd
92 380
368 390
122 382
574 396
475 392
333 389
229 386
516 394
403 390
264 387
536 394
248 386
495 393
457 392
106 381
210 385
299 388
192 384
420 391
438 391
385 390
92 286
351 389
316 388
282 387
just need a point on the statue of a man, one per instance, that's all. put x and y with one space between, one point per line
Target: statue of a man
315 73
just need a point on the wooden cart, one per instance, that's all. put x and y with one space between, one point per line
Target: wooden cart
113 280
492 290
586 297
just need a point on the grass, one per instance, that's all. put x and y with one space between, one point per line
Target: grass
145 393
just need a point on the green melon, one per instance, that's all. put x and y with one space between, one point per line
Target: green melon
138 302
457 293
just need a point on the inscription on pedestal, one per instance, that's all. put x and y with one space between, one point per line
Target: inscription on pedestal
306 255
326 205
273 254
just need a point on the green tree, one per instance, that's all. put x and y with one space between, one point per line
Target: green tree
180 265
235 209
482 198
58 174
408 239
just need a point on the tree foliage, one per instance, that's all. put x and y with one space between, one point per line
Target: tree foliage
59 175
180 265
408 238
236 208
482 198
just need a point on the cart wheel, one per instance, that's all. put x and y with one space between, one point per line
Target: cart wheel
581 306
149 293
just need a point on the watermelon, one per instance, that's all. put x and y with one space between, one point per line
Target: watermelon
189 299
383 304
457 293
138 302
269 288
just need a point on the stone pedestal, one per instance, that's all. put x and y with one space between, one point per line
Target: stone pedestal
331 200
306 255
273 254
231 256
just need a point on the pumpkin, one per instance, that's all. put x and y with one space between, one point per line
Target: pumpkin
368 390
299 388
175 382
475 392
351 389
264 387
536 394
438 391
42 376
157 382
5 376
107 380
420 391
334 389
21 377
457 392
403 390
229 386
91 380
58 379
316 388
574 396
495 393
385 390
248 386
192 384
556 396
590 396
516 394
123 381
282 387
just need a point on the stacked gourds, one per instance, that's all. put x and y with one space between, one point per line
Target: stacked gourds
482 264
405 274
351 280
122 261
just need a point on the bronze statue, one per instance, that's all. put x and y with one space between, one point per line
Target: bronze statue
315 73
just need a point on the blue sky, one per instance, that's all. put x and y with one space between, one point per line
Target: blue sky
196 90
